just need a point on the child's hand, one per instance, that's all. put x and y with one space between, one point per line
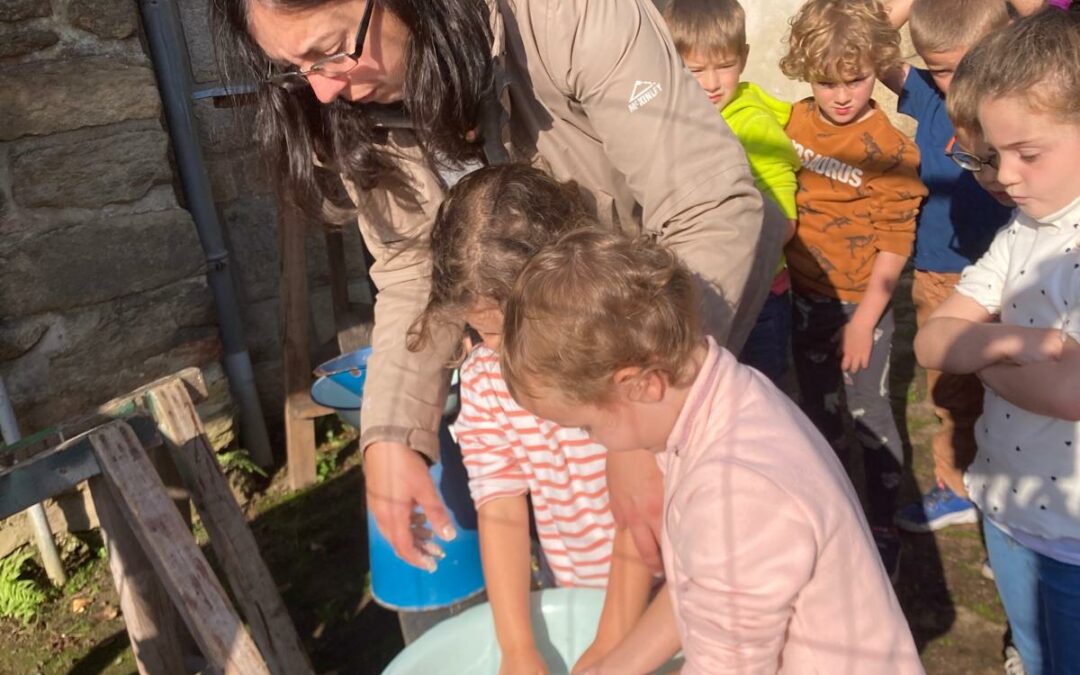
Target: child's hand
593 655
1032 345
524 661
856 342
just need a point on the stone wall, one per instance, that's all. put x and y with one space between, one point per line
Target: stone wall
101 273
102 285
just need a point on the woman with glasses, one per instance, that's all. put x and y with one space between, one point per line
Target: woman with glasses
380 96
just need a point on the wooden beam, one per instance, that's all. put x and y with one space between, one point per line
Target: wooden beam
296 359
233 542
153 624
119 407
184 572
58 465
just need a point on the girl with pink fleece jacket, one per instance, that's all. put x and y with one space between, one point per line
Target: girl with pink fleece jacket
770 563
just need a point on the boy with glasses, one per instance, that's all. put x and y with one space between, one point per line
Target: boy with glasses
956 222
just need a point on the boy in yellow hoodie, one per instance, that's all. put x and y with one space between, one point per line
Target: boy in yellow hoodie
711 38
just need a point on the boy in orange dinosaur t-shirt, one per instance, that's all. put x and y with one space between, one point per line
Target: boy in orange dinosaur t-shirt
859 193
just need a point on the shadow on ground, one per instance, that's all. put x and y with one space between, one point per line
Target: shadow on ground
315 545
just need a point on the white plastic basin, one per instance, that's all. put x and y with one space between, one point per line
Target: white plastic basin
564 621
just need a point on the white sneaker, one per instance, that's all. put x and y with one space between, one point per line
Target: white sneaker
1013 664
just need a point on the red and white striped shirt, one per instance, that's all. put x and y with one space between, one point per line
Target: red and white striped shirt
509 451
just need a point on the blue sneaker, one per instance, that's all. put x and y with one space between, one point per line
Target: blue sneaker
939 508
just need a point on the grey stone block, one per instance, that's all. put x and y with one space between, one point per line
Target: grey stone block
120 167
109 19
26 41
195 15
44 98
17 10
90 354
96 261
251 228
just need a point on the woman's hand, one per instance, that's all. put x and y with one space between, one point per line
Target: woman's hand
856 342
397 482
636 495
524 661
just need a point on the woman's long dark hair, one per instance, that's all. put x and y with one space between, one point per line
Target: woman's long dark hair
448 72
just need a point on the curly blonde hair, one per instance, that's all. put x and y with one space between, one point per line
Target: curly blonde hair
832 40
596 302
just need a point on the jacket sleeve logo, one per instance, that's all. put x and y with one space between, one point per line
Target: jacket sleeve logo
643 92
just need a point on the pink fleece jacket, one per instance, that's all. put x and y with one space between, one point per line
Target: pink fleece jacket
769 560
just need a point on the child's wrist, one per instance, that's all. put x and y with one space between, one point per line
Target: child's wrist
522 643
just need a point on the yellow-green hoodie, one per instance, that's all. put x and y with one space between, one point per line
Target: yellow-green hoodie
758 121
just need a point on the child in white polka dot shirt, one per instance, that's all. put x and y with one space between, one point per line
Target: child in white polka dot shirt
1015 321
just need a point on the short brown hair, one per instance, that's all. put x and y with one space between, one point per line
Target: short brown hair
490 224
945 25
830 39
596 302
962 101
708 26
1036 58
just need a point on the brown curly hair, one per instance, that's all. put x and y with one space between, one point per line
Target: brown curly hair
596 302
831 40
488 227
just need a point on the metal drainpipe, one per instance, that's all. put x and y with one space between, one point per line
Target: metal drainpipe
168 51
10 434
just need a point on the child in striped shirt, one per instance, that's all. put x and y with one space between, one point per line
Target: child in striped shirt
491 223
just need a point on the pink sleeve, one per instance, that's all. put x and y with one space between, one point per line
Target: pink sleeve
489 459
747 551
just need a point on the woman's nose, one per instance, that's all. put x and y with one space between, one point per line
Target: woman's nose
327 89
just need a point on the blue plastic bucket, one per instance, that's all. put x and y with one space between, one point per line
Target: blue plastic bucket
564 622
340 385
394 583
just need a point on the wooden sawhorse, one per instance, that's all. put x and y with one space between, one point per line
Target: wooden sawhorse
164 582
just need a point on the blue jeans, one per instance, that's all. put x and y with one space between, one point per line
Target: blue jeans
767 347
1042 600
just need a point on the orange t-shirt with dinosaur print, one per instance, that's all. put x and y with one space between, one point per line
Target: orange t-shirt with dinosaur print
859 193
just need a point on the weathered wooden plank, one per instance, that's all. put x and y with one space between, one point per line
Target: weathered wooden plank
57 468
232 540
296 360
119 407
171 550
153 624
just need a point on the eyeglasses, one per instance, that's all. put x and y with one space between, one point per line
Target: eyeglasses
331 66
969 161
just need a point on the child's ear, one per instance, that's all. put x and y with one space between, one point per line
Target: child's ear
637 385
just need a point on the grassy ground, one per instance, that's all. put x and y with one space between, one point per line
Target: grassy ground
314 543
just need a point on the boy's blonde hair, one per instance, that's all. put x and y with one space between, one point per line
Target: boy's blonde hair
714 27
1037 58
945 25
596 302
486 229
830 40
